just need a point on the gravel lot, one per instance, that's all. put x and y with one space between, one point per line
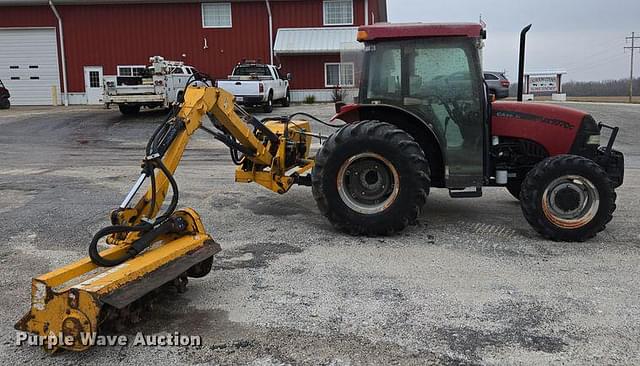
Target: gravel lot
472 283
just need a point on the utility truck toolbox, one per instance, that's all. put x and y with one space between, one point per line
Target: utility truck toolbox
159 85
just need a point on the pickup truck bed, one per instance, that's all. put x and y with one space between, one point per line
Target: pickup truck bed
257 85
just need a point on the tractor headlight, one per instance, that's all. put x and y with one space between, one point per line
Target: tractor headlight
593 140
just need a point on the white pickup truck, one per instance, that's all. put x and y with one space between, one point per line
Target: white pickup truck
159 86
255 84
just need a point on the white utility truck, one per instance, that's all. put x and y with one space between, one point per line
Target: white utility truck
158 86
257 84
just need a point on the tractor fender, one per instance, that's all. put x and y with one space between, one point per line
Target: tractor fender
418 128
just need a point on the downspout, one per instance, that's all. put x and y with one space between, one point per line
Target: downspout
270 31
366 12
62 54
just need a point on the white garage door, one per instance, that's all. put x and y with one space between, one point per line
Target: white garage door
29 65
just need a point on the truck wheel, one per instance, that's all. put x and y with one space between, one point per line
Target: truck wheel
370 178
286 101
268 106
129 109
5 103
514 187
567 198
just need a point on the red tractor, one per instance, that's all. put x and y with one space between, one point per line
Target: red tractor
425 119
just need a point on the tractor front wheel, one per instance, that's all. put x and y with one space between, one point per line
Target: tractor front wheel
567 198
370 178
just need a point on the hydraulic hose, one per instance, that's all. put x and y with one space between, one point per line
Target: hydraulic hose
159 142
161 223
173 225
316 119
115 229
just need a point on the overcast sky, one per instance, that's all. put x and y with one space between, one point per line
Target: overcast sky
583 37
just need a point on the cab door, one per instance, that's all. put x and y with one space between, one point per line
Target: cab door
443 85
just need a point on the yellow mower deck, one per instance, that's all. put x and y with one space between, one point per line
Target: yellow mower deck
66 304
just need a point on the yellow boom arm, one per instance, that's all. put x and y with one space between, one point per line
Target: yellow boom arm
148 251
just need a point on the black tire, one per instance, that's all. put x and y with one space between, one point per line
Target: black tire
5 103
201 269
268 106
286 101
555 188
129 109
514 187
365 143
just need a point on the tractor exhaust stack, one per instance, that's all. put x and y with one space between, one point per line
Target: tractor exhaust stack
523 41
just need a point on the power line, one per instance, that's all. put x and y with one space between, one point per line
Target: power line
598 63
632 48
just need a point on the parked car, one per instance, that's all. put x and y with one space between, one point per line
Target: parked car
254 83
4 97
498 83
160 86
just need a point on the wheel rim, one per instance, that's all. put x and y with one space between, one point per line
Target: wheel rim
368 183
570 201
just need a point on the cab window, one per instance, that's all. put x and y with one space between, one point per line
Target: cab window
384 83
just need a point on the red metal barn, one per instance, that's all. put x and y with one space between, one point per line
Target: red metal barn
45 45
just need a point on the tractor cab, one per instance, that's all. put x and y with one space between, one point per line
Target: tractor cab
432 75
436 76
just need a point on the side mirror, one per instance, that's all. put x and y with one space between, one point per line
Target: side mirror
289 76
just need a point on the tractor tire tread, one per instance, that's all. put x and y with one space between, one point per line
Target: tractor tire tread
531 192
375 130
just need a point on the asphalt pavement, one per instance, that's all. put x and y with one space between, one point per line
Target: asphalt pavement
471 283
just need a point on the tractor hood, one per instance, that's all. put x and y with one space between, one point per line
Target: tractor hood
552 126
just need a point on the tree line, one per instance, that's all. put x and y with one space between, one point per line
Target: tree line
604 88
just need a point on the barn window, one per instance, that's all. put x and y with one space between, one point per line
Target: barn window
216 15
131 70
338 75
338 12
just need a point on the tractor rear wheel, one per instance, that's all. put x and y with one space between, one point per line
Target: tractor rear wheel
370 178
567 198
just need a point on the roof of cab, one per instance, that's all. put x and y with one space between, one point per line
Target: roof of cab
413 30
